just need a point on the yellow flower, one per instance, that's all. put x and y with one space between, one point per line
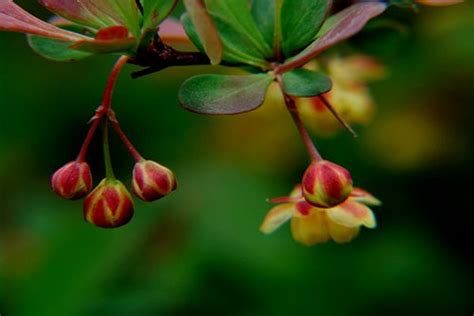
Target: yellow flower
311 225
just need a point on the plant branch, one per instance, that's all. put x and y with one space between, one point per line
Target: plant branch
103 108
291 106
158 56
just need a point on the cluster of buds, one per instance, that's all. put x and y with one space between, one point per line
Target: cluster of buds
324 206
110 204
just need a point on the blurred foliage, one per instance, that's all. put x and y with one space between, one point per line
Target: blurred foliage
199 250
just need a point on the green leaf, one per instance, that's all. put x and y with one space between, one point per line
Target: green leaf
224 94
206 29
306 83
155 11
300 22
230 55
263 12
55 50
238 31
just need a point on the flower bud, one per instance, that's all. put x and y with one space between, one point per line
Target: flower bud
326 184
152 181
72 181
109 205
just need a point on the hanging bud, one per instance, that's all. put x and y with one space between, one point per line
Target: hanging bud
152 181
72 181
326 184
109 205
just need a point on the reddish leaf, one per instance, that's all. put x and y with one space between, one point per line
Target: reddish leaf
172 32
97 13
73 11
345 24
112 33
15 19
206 29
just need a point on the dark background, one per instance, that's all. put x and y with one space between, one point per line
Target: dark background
199 250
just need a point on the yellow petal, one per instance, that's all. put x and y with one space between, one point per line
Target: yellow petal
352 214
341 234
276 217
364 197
311 229
297 191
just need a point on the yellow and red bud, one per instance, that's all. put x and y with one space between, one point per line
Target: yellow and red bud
110 205
326 184
72 181
152 181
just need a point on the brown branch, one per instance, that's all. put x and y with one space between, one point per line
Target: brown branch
158 56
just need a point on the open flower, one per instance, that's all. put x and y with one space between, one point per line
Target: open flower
311 225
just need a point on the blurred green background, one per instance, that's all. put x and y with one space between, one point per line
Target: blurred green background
199 250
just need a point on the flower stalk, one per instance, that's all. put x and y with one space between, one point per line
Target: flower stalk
103 108
291 106
109 171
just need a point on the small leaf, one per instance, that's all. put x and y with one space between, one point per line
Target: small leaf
263 12
74 11
155 11
306 83
172 33
300 22
230 54
57 50
13 18
224 94
206 29
111 33
97 13
239 34
339 27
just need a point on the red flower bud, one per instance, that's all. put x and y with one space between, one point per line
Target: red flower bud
109 205
326 184
72 181
152 181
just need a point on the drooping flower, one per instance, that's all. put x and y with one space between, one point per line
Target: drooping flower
326 184
72 181
109 205
152 181
311 225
